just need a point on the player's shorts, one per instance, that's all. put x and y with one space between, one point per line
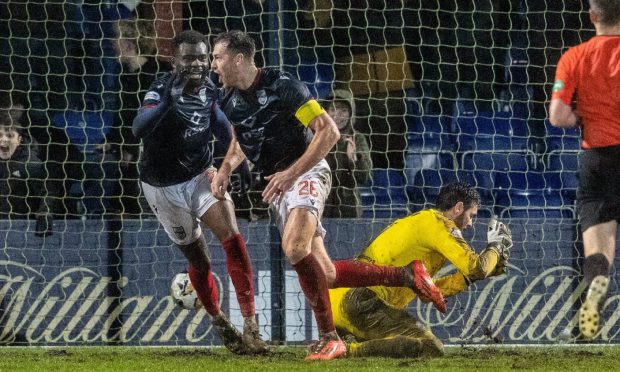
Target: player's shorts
366 317
598 196
310 191
179 207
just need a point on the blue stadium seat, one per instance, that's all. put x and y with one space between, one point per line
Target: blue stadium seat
511 133
522 188
426 185
475 132
418 160
388 187
562 139
428 132
561 169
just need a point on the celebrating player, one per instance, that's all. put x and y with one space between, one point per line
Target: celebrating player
282 129
591 72
176 123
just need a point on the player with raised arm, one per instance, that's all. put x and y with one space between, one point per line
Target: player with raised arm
176 123
283 130
590 72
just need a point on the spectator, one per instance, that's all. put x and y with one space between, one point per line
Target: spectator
349 159
137 53
22 174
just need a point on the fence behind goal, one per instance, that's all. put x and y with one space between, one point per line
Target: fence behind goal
443 90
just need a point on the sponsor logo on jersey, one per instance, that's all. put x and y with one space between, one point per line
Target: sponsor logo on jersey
150 95
558 85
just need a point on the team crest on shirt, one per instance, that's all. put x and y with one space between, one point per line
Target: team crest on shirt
203 95
234 101
262 97
558 85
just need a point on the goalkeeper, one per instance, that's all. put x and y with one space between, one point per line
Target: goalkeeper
376 316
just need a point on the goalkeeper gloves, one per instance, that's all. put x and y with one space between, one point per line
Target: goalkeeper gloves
499 239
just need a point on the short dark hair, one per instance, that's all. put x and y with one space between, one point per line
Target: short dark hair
455 192
609 10
237 42
189 37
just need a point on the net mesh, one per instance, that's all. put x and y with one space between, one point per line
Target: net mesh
442 91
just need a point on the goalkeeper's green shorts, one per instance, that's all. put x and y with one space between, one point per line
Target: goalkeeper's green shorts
372 319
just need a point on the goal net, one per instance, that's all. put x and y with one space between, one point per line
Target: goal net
437 92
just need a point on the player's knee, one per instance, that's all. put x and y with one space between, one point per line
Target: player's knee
295 249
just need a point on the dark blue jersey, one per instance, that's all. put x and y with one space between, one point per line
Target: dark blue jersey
264 120
177 145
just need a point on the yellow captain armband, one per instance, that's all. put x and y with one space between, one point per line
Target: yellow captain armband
308 111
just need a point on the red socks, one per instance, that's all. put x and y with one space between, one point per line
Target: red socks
314 285
350 273
206 289
240 270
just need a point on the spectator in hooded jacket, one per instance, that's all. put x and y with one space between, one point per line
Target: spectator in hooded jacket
349 159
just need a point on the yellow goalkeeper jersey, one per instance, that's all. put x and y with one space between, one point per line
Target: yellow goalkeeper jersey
428 236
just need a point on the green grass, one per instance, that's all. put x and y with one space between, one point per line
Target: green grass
117 359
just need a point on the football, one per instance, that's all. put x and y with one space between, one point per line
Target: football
183 293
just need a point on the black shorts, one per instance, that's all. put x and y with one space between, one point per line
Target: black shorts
598 196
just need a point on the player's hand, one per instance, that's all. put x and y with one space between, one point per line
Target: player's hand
175 86
219 184
279 183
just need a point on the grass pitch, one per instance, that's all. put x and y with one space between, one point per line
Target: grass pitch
112 358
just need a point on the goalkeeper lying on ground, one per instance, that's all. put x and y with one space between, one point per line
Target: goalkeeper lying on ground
376 316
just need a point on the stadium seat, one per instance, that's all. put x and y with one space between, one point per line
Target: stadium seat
426 185
511 133
561 169
562 139
522 188
475 132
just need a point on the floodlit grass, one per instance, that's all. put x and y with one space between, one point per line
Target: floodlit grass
576 358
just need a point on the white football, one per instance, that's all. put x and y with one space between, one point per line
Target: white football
183 293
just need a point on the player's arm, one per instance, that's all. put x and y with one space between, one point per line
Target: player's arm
471 265
234 157
561 113
326 134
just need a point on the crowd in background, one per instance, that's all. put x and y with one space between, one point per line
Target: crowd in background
76 74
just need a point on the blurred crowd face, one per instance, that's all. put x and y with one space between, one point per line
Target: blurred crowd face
192 59
9 140
126 50
340 112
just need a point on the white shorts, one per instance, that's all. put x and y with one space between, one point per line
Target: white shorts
179 207
310 192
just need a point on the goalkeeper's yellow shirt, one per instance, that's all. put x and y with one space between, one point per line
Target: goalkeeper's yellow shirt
428 236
